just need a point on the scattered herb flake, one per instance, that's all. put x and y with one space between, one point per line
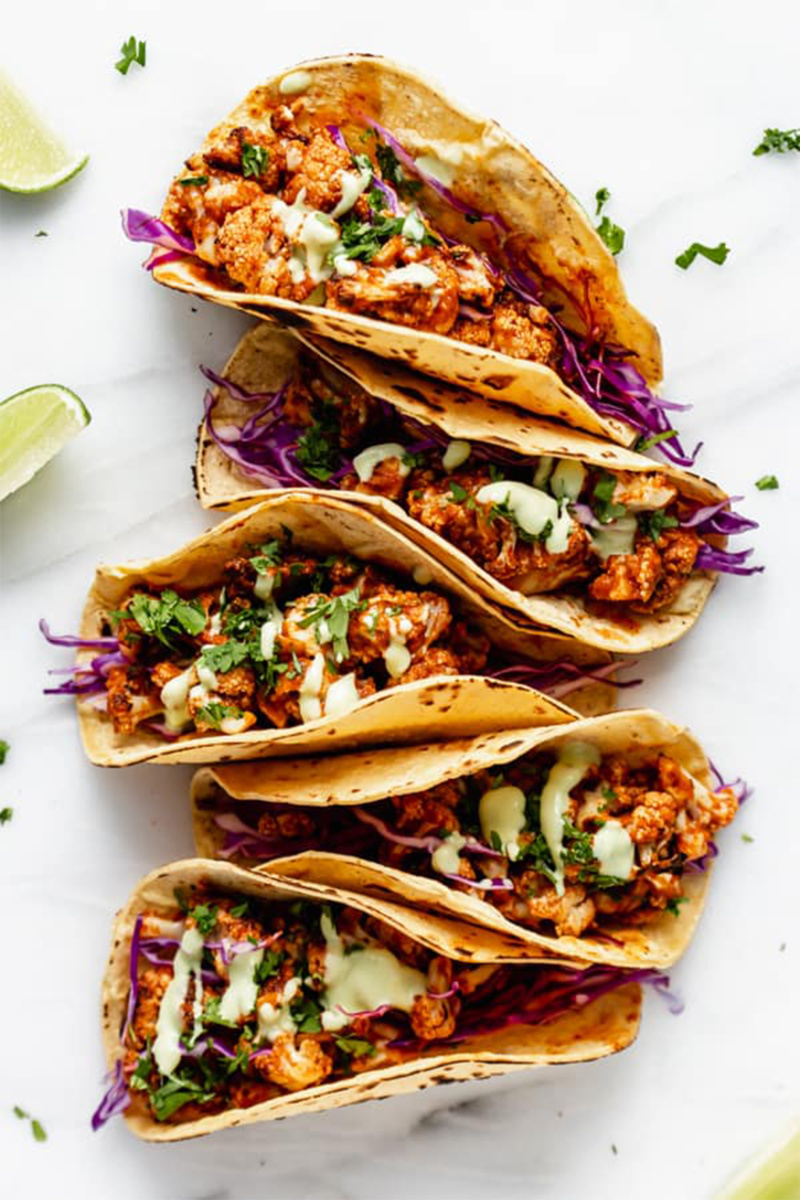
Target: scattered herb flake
354 1045
204 917
674 904
20 1112
715 254
5 815
194 181
746 837
214 713
132 52
602 196
767 483
42 233
4 748
654 523
612 235
646 443
254 159
779 140
37 1129
603 506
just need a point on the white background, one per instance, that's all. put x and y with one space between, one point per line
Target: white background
662 103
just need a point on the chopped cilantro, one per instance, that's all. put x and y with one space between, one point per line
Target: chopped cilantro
457 493
602 196
268 966
5 815
336 615
306 1013
354 1045
779 140
42 233
715 254
318 449
270 555
504 512
674 904
215 713
612 235
166 616
132 52
746 837
37 1129
767 483
194 181
20 1112
204 917
577 845
496 474
496 841
603 506
241 910
176 1092
645 443
363 239
607 792
226 655
4 749
654 523
254 159
393 173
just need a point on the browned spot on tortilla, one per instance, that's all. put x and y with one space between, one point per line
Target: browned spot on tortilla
498 382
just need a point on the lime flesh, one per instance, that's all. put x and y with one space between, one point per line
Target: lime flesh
32 157
34 425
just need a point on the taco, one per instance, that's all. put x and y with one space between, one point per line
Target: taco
589 842
350 198
232 997
579 536
301 624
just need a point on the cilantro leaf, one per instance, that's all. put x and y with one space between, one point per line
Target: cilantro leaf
254 160
226 655
602 196
496 841
176 1092
612 235
767 483
38 1131
306 1013
241 910
674 904
166 616
715 254
457 493
5 815
194 181
335 613
270 555
354 1045
603 506
504 512
746 837
645 443
318 449
215 713
268 966
654 523
204 917
779 140
131 52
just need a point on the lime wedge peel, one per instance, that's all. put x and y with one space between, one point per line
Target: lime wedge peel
772 1175
32 157
34 425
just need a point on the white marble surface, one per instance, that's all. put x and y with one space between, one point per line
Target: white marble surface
660 102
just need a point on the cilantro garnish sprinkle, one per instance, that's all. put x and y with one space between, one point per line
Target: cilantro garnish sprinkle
715 254
226 655
4 748
767 483
645 443
254 159
166 616
214 713
37 1129
746 837
270 555
194 181
5 815
779 140
204 917
654 523
42 233
674 904
336 615
612 235
603 506
354 1045
132 52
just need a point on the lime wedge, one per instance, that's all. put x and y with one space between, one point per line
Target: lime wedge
774 1175
32 158
34 425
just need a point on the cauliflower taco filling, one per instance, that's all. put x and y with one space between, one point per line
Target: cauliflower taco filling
623 540
568 842
288 207
235 1000
285 638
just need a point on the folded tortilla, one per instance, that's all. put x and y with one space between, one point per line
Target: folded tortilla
264 360
536 227
602 1027
358 779
325 524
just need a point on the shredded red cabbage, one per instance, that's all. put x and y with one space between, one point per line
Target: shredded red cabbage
116 1099
730 562
560 677
65 639
429 844
483 885
140 226
718 518
740 788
